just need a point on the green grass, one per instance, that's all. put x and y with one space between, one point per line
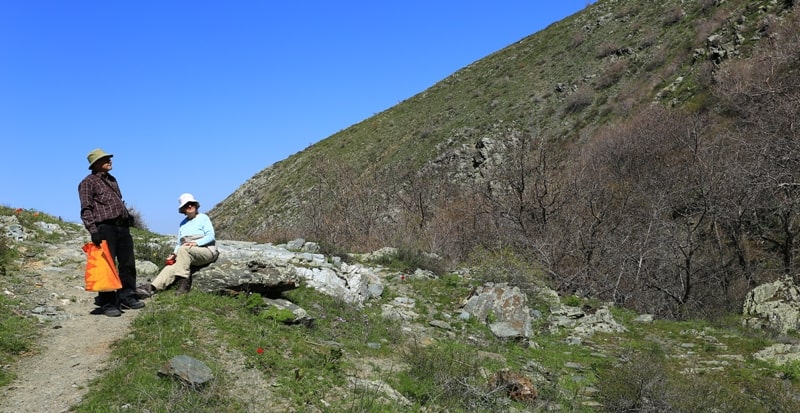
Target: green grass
260 363
17 336
254 355
301 365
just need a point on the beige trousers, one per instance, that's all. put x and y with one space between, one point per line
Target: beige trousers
185 258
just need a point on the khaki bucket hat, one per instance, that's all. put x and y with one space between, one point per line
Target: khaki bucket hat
96 155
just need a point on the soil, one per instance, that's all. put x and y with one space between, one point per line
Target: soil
74 346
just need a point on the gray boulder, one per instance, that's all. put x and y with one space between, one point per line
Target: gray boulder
774 306
503 308
270 270
226 276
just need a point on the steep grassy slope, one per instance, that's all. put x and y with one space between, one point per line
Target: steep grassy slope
562 83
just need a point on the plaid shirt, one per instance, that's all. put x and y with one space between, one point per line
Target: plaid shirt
101 200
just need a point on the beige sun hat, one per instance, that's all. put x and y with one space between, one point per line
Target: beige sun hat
185 199
96 155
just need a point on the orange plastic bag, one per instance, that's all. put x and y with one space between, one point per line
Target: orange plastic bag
101 272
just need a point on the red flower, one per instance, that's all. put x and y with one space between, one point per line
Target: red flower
259 350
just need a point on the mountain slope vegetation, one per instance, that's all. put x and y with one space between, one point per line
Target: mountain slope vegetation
643 153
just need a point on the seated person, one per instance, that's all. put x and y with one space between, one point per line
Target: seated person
195 246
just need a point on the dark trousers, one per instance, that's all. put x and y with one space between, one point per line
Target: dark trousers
120 244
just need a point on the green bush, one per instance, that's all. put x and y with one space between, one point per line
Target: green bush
409 260
7 254
505 265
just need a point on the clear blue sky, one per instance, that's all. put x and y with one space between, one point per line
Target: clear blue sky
198 96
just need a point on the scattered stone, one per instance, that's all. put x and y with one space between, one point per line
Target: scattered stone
441 324
188 369
300 316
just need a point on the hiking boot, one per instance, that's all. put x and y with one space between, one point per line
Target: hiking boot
184 285
145 290
131 302
110 310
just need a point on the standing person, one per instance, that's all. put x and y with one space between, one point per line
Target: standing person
105 216
195 246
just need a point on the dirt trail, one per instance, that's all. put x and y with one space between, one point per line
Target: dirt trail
74 348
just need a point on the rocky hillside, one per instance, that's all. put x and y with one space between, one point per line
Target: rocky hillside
637 153
563 83
393 337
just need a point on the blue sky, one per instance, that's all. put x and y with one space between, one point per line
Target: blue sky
198 96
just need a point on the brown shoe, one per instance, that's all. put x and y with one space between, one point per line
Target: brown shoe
184 285
145 290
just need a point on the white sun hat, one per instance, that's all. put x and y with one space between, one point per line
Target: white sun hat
185 199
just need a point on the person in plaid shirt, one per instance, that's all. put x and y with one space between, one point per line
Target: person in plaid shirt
106 217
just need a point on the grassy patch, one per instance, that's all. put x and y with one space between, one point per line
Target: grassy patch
301 365
17 334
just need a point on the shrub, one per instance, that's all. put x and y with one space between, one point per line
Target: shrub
7 254
409 260
505 265
645 382
447 377
612 74
147 247
673 15
579 101
333 250
638 384
138 221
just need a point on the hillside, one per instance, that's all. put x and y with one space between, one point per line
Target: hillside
639 153
564 82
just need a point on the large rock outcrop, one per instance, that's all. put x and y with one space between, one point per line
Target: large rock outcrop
270 270
774 306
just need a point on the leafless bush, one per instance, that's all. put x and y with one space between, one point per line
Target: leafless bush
607 49
581 99
673 15
639 383
458 224
449 378
706 27
346 208
644 382
138 220
577 40
612 74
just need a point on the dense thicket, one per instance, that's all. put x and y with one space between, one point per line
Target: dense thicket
676 211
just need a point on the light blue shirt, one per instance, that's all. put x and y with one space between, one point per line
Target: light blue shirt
199 229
